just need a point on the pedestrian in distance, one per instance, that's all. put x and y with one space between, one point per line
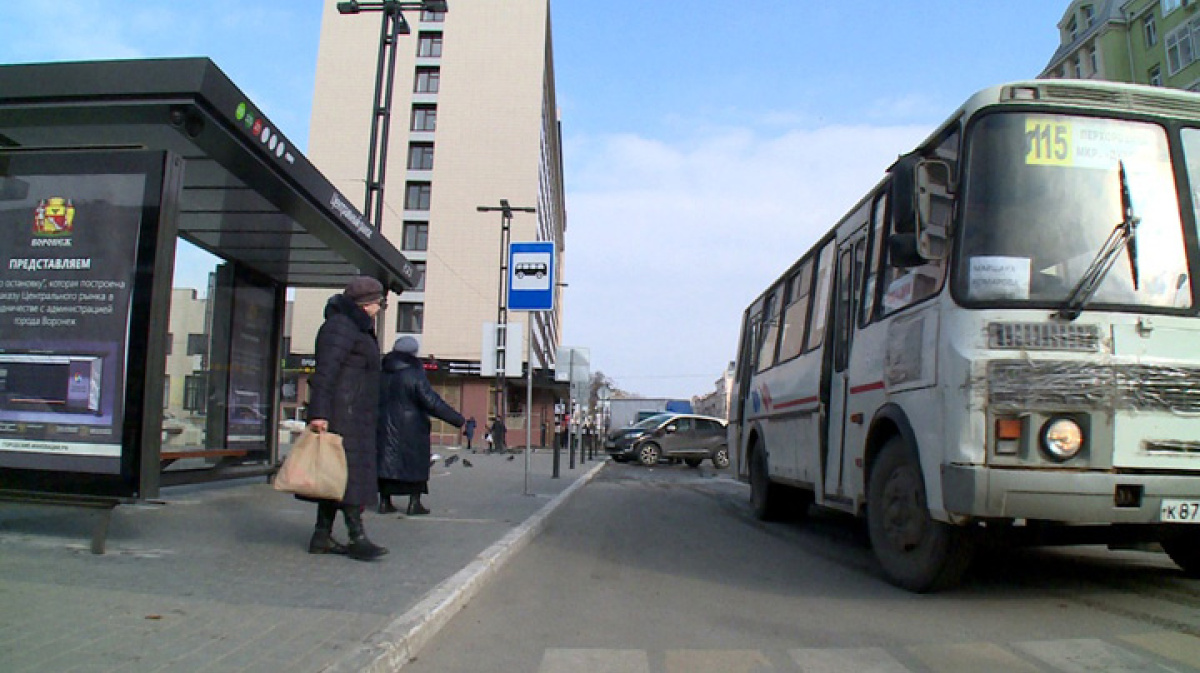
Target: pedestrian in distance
499 435
344 399
406 402
469 432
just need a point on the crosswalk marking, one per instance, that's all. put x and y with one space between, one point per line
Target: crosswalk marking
1088 654
717 661
1175 646
594 661
859 660
974 657
1130 653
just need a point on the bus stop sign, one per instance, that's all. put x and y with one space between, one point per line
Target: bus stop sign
531 276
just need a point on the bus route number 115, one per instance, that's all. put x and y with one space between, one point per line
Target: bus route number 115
1047 142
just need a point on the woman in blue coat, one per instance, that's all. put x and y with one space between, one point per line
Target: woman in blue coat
406 402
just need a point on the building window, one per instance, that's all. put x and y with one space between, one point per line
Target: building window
420 156
197 344
424 118
432 16
427 80
1154 78
1180 53
1072 30
416 236
410 318
420 286
1089 15
1077 65
417 195
1094 62
1149 31
429 45
170 343
193 392
1169 6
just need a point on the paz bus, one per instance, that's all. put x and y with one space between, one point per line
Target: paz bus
1000 342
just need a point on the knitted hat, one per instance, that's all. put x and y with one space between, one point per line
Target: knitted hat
406 344
364 290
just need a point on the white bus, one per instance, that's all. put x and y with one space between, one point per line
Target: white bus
999 342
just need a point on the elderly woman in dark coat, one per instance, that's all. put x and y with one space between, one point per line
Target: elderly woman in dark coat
406 402
344 398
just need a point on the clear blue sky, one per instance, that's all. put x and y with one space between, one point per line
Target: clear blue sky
707 144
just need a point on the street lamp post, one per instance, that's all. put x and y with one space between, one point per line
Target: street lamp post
506 215
392 27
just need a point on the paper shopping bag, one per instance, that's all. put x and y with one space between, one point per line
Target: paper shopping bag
316 467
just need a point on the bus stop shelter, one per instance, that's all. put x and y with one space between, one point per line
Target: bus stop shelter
104 166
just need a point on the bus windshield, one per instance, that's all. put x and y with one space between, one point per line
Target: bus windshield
1042 194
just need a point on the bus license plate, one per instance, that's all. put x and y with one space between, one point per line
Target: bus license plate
1180 511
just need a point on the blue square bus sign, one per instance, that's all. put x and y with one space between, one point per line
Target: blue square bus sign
531 276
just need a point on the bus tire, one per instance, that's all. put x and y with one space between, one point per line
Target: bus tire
916 552
648 454
766 498
1184 550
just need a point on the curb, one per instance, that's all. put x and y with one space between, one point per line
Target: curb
396 644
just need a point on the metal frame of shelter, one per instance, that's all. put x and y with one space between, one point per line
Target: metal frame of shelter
103 167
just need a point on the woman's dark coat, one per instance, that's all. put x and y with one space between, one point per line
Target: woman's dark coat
406 402
345 391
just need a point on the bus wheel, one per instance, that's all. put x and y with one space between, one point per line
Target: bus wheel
648 454
766 498
916 552
1184 550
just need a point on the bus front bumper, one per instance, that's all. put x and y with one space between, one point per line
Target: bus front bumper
1062 496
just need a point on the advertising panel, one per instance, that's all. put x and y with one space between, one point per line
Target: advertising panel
251 375
69 235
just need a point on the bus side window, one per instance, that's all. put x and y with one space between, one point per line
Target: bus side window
820 312
768 331
794 317
871 278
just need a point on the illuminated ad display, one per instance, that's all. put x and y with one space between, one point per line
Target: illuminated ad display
68 249
250 370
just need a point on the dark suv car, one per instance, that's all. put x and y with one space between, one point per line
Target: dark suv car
688 437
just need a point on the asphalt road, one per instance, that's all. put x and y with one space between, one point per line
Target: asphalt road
666 569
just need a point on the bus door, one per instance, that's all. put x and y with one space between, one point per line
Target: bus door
845 299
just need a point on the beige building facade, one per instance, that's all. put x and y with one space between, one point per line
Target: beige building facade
473 121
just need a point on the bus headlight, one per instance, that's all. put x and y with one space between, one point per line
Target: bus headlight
1062 439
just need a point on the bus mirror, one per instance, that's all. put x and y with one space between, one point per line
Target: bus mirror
903 208
902 251
935 207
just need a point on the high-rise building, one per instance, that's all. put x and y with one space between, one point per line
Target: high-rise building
1154 42
473 121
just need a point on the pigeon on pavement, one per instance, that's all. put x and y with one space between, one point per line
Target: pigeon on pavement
467 463
451 460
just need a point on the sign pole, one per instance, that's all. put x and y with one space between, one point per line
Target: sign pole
528 398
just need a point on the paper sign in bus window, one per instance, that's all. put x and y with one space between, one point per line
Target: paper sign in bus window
995 277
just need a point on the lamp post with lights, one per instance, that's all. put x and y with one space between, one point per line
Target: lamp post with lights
392 27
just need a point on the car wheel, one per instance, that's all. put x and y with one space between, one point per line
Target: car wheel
693 462
1184 550
648 454
720 459
917 553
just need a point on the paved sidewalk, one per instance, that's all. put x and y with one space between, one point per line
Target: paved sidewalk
218 578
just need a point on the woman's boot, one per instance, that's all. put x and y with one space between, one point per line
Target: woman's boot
385 505
415 508
360 548
322 541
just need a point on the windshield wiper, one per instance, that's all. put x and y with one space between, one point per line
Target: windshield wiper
1123 235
